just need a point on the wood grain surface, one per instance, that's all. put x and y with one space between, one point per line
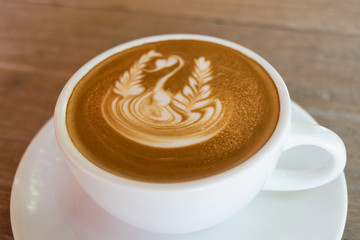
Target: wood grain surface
314 44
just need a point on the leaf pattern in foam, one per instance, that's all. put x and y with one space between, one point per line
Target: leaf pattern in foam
129 83
196 94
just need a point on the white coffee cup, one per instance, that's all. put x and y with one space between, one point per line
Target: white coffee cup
199 204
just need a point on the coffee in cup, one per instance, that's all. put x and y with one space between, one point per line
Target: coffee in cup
172 111
177 133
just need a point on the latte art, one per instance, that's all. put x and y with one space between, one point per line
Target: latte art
172 111
157 117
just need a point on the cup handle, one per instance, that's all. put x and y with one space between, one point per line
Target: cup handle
309 134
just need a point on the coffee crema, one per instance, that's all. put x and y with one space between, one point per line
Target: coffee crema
172 111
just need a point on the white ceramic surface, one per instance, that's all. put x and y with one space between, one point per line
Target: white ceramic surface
204 202
47 203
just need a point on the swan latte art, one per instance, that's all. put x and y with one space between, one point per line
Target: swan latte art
172 111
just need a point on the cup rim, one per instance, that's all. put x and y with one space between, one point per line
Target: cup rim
73 154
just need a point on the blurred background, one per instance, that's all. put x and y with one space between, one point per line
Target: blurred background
314 44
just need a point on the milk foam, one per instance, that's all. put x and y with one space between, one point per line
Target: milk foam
157 117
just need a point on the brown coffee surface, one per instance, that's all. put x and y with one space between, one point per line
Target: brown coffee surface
172 111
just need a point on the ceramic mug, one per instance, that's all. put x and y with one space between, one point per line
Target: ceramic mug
198 204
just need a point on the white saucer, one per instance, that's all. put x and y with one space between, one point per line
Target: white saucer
47 203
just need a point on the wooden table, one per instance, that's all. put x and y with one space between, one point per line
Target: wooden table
314 44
